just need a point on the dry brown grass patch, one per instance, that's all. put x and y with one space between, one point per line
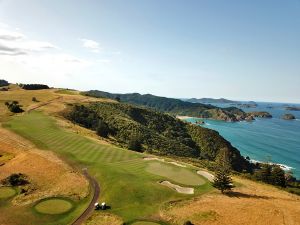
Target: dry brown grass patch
48 174
100 218
253 203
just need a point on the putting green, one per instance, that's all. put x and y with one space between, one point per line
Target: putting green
175 173
7 192
145 223
54 206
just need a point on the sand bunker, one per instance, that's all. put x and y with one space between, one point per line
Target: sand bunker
177 164
162 160
153 158
207 175
179 189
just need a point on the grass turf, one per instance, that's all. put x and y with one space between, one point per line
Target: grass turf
126 186
175 173
54 206
7 192
145 223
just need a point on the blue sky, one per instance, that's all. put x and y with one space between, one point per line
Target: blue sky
243 50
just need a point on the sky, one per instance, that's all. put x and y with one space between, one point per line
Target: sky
236 49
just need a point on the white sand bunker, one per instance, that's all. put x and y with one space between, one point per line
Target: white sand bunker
162 160
206 174
177 164
153 158
179 189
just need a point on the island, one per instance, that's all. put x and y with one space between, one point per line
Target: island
210 100
260 114
292 108
288 116
247 105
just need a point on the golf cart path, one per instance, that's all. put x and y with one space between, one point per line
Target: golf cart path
95 186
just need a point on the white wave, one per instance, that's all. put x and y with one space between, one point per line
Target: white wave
282 166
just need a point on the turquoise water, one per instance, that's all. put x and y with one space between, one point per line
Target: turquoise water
275 139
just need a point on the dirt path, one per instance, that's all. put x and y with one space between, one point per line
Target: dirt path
95 186
43 104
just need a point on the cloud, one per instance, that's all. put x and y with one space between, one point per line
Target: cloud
20 55
91 45
15 43
10 35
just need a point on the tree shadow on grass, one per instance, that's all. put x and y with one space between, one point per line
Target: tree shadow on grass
236 194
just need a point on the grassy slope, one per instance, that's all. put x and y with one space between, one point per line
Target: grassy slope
125 185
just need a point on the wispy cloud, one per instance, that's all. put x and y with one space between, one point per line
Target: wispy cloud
92 45
15 43
36 56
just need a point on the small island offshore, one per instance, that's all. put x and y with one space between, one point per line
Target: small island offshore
288 116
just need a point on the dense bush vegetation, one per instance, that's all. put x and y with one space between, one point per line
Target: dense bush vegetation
271 174
33 86
3 83
175 106
14 107
142 129
15 179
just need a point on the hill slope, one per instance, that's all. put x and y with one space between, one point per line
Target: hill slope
158 133
176 106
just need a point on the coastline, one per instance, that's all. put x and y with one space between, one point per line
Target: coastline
285 166
184 117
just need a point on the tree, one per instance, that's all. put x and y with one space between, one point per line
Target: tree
135 143
264 174
222 180
278 177
14 107
102 129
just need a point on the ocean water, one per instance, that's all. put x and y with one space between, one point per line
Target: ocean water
274 140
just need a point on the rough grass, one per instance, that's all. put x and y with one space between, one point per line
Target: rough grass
67 92
145 223
24 97
126 186
4 157
54 206
175 173
48 175
7 192
249 204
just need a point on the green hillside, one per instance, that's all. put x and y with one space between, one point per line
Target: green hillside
176 106
155 132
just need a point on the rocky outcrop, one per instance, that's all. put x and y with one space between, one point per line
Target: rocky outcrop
288 116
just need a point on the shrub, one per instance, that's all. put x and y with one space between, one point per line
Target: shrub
188 223
16 179
34 86
102 129
135 143
14 107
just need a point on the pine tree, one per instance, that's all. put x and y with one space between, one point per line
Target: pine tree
222 180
